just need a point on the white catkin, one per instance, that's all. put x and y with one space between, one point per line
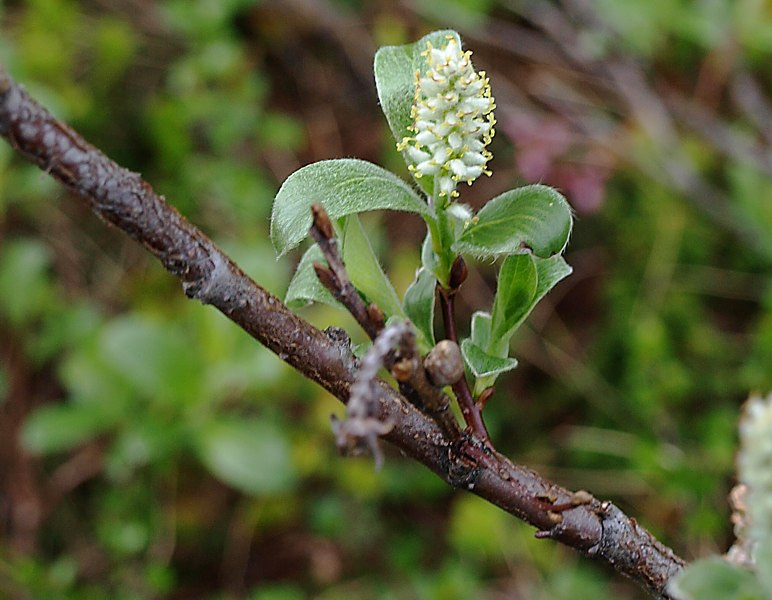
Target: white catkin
452 120
755 466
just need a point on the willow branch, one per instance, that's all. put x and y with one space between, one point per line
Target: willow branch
335 278
404 363
121 198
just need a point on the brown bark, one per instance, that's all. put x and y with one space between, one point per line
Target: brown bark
120 197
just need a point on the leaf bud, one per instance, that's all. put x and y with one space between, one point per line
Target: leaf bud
444 363
326 277
322 221
376 316
458 273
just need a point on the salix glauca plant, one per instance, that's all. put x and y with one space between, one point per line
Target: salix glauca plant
441 113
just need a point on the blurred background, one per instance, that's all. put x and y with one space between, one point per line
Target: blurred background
150 449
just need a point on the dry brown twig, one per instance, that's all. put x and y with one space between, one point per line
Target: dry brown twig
595 528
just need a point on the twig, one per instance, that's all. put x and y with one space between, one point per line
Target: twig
361 424
406 368
336 279
471 411
421 392
597 529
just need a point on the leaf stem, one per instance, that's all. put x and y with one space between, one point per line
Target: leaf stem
441 231
469 408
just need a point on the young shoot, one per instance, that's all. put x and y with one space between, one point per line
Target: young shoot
440 111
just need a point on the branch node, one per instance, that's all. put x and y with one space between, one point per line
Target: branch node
376 316
404 369
213 286
335 278
542 534
362 425
555 518
578 498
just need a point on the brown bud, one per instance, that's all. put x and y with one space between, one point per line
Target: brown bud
322 221
326 277
580 497
444 363
484 396
458 273
554 517
403 370
375 314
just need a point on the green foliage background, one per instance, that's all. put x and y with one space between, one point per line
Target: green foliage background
150 449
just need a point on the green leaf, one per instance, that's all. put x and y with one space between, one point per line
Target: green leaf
59 427
483 364
763 557
152 359
481 328
305 286
364 269
395 79
428 257
25 281
535 217
714 578
523 281
252 456
343 187
550 271
515 297
419 303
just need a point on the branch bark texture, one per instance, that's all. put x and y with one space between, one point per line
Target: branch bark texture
595 528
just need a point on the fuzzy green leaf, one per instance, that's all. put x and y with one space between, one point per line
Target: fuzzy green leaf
305 286
362 267
58 427
515 297
714 578
483 364
343 187
523 281
419 303
252 456
365 271
550 272
395 79
535 217
763 557
481 328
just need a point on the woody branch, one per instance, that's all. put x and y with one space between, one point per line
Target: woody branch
595 528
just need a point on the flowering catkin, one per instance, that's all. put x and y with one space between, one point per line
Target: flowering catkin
755 465
452 120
